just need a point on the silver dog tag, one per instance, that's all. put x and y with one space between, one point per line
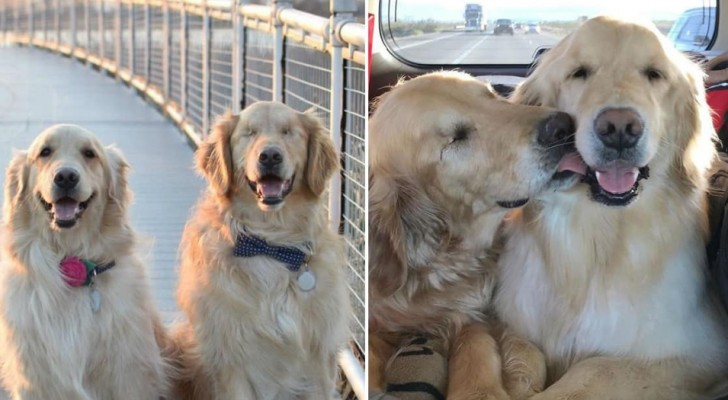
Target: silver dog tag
95 300
306 280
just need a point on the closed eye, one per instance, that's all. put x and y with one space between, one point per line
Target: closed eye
653 74
582 72
89 154
460 133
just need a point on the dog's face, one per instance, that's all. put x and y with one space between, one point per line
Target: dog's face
66 174
267 154
452 134
445 152
635 98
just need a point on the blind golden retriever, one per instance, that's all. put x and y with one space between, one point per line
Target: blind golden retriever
262 327
76 315
448 160
607 275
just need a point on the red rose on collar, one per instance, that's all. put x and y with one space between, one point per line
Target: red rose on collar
74 271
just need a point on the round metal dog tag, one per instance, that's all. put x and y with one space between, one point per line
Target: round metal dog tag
307 280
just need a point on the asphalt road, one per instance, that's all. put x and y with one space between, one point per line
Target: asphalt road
471 47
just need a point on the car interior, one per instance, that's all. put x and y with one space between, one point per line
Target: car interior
413 37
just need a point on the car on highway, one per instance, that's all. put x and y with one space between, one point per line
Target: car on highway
503 26
533 28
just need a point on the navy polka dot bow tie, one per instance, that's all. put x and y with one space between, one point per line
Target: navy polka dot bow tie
247 245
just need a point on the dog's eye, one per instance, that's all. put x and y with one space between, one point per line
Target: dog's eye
460 134
45 152
580 73
653 74
88 153
252 132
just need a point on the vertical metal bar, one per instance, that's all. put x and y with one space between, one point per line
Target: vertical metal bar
45 20
341 10
147 40
237 64
278 49
117 36
87 25
31 21
132 39
166 50
102 30
206 45
183 60
57 19
73 26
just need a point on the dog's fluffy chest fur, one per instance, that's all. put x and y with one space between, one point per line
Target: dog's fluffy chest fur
584 292
249 313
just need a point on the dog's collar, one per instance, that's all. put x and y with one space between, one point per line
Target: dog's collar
81 272
249 245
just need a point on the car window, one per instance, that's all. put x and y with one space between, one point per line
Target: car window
514 32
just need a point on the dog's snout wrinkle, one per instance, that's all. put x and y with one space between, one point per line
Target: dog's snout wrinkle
619 128
66 178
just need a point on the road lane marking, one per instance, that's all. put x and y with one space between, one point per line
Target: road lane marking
427 41
468 51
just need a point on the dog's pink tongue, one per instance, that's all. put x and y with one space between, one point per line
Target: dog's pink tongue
65 209
618 177
572 162
271 187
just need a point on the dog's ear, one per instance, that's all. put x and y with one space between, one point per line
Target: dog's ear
695 132
323 159
118 169
408 224
214 156
16 181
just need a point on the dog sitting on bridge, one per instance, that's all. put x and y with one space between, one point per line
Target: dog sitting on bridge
262 274
76 314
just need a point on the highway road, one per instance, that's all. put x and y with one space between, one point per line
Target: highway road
471 47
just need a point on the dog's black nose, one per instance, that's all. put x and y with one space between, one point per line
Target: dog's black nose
270 157
619 128
557 128
66 178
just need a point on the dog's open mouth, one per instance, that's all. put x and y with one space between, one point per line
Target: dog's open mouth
513 203
271 189
616 184
65 211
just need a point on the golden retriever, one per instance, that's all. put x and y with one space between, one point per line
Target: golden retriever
69 333
448 159
607 275
258 328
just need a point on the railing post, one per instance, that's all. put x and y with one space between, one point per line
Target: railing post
341 11
117 36
102 30
86 24
73 25
206 45
166 47
237 52
132 38
31 21
183 61
147 40
57 19
45 21
278 50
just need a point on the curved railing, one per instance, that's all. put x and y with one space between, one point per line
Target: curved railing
195 59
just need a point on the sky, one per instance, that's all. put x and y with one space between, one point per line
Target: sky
541 10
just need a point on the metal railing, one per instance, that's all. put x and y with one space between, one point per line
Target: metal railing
196 58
